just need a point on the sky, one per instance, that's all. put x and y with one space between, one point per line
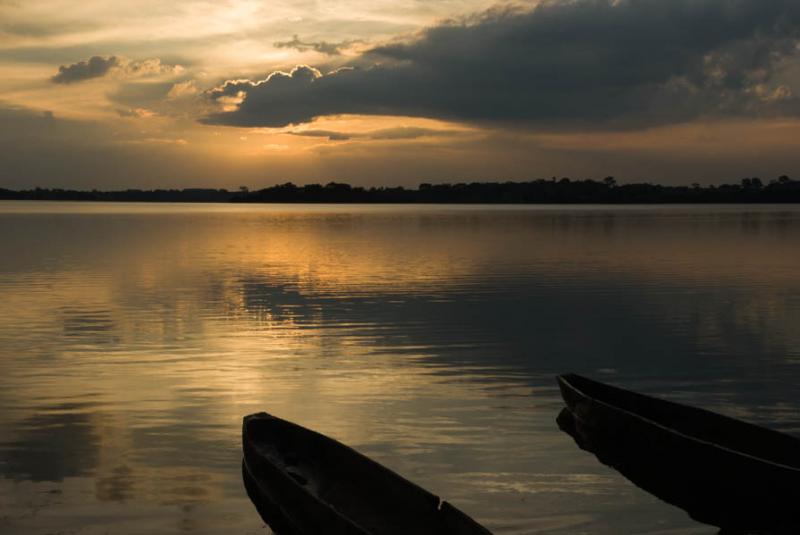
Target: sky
191 93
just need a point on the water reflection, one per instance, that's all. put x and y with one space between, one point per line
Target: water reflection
57 443
133 338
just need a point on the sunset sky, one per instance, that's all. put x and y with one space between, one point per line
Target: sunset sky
189 93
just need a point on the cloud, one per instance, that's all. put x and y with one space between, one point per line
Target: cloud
330 135
141 93
38 148
279 87
136 113
409 132
183 89
94 67
147 67
98 66
323 47
563 63
382 134
156 141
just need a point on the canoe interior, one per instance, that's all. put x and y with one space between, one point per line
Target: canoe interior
695 423
373 497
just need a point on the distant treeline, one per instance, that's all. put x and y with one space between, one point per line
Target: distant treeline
128 195
554 190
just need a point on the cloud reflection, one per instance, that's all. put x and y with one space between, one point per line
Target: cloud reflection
52 445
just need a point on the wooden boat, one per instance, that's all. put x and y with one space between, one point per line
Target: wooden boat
724 472
305 483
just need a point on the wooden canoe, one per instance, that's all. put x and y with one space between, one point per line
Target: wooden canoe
305 483
721 471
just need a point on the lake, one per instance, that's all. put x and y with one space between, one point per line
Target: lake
134 337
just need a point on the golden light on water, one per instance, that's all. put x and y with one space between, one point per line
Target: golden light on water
411 333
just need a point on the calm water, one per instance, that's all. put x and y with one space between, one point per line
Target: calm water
133 338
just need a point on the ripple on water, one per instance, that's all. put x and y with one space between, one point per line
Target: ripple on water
134 337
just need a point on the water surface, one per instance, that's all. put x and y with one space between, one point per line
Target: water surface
134 337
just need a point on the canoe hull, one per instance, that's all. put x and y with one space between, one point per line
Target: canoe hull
305 483
266 506
714 485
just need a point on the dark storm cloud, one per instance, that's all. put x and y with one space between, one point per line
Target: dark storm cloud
94 67
621 63
323 47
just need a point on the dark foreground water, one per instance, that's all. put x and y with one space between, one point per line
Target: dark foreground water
133 338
